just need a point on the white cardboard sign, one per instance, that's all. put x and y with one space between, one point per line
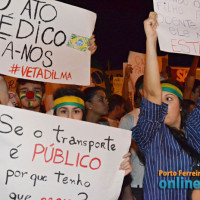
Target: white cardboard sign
45 41
46 157
179 26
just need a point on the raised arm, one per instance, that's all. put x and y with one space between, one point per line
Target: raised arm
152 87
128 71
152 111
125 91
190 79
4 98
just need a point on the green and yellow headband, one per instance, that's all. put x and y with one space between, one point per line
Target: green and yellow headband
168 87
69 100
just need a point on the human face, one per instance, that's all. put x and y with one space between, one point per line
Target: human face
121 111
30 103
99 103
173 117
196 94
71 112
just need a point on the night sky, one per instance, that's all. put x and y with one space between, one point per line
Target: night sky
119 29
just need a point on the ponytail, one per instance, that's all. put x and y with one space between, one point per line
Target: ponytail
183 142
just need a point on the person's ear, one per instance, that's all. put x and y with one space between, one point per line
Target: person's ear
88 105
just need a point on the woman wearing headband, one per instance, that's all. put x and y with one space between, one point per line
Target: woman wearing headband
69 103
160 135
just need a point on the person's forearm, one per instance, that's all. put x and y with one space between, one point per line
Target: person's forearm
3 85
193 68
190 79
125 93
4 98
152 87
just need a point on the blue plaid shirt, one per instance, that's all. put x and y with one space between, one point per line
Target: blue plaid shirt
161 150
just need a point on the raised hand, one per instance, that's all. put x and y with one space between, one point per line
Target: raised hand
150 26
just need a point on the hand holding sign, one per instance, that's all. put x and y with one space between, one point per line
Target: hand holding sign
126 164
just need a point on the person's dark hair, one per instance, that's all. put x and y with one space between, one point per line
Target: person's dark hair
115 100
179 135
24 81
138 83
90 92
186 108
68 91
137 95
196 85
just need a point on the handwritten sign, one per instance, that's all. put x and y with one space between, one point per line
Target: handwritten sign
179 30
11 83
49 157
138 61
45 41
118 85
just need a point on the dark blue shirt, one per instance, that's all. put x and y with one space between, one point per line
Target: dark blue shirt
162 151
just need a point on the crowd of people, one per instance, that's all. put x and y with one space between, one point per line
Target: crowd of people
165 121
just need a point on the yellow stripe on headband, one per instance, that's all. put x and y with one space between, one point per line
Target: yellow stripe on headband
69 100
168 87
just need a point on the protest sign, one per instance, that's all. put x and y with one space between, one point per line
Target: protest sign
138 60
118 85
47 157
180 73
97 78
45 41
114 73
11 84
178 30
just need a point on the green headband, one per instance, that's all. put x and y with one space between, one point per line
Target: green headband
168 87
69 100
